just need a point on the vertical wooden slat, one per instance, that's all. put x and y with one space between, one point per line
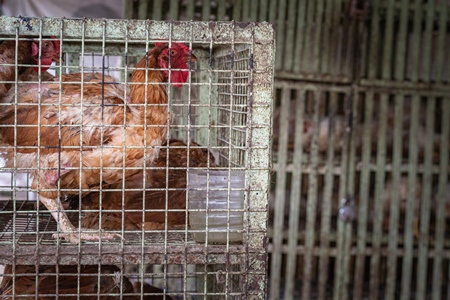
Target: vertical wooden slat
312 199
388 42
263 14
402 42
407 263
441 43
206 10
174 10
327 44
273 11
441 202
246 10
308 38
280 193
281 19
253 16
290 30
364 196
157 10
299 36
427 42
374 41
327 204
415 57
338 292
237 10
143 9
295 204
190 10
394 198
128 9
378 207
425 201
315 59
221 10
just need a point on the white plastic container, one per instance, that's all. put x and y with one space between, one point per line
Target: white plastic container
209 211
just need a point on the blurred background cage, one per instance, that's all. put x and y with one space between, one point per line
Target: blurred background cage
225 107
361 115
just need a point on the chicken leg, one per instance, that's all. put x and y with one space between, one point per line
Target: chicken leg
68 231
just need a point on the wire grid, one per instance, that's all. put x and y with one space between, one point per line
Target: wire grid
214 109
387 153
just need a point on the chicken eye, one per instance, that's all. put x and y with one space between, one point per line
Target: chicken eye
46 44
173 52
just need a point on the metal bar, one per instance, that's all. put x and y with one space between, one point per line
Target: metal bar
388 42
327 199
280 195
442 32
425 199
128 9
394 199
237 10
441 214
190 10
327 42
407 263
317 97
295 200
378 208
308 41
337 47
263 13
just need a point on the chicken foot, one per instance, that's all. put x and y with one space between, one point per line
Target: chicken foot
68 231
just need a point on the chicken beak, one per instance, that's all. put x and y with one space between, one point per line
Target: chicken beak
193 58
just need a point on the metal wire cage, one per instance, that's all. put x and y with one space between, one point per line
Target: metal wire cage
224 111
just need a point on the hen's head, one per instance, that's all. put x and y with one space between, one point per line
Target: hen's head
49 53
175 60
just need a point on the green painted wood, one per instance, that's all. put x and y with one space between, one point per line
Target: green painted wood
142 9
377 233
295 200
281 10
327 38
362 234
128 8
442 31
374 41
443 181
290 31
221 10
206 10
273 11
427 42
190 10
299 36
425 201
388 42
174 10
237 10
416 42
407 263
263 14
317 37
317 97
395 197
308 40
326 211
157 13
400 55
280 195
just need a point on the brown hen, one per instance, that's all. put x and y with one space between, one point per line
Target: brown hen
89 131
169 172
67 281
27 54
